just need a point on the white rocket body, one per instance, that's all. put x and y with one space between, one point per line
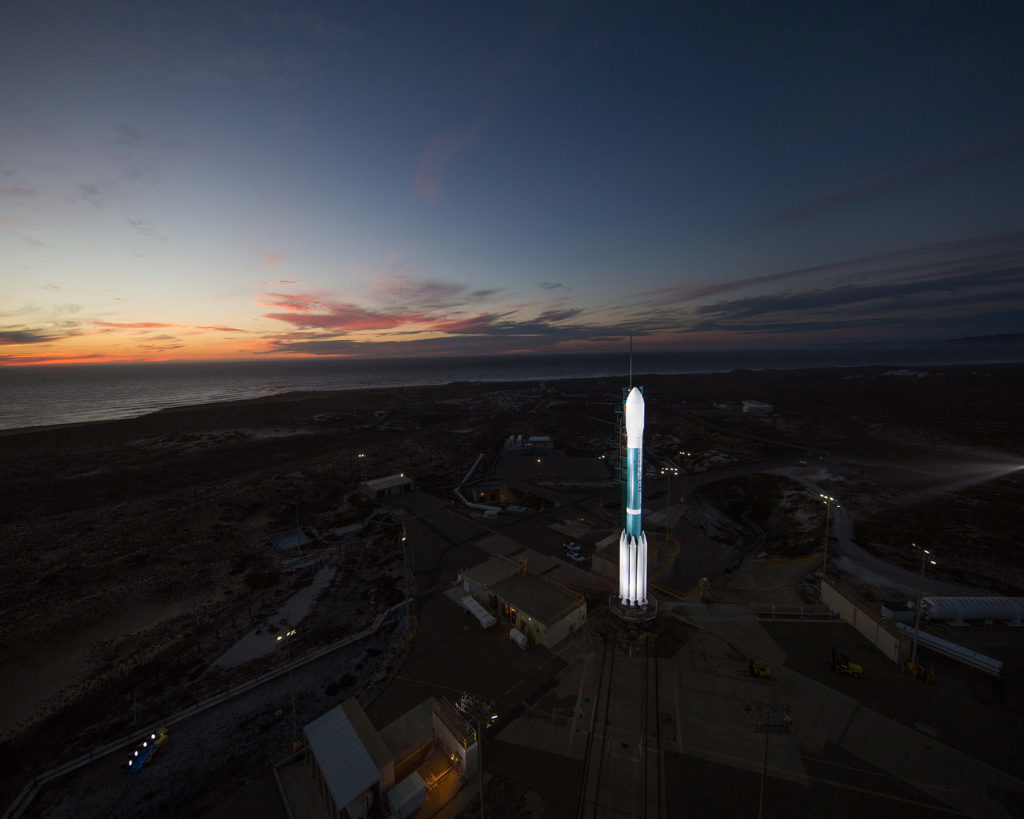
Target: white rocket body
633 541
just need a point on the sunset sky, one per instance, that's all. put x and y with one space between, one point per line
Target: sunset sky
225 180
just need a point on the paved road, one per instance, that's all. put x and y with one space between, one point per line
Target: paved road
845 555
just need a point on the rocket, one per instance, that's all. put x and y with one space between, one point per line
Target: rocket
633 541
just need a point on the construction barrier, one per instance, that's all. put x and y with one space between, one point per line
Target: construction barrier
866 617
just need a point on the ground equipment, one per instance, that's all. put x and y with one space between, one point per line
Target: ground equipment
842 664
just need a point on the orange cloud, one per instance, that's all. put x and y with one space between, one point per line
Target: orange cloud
111 326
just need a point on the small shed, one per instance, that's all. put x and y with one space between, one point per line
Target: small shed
407 796
389 485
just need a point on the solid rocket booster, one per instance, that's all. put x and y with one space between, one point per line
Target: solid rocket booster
632 541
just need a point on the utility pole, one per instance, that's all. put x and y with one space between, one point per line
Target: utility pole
668 507
480 763
764 763
917 610
828 501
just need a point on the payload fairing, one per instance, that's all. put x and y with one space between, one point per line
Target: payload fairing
633 541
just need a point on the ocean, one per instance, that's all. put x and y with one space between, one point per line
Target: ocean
62 394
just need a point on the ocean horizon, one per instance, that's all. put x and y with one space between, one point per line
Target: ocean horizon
44 395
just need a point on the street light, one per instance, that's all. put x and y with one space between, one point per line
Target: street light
917 611
668 472
828 500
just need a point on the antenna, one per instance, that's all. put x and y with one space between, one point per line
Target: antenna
631 361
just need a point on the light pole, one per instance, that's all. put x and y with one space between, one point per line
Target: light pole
668 472
764 763
828 500
917 611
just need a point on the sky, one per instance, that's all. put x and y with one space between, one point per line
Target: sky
287 179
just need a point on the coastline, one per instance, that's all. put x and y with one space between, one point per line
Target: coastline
455 380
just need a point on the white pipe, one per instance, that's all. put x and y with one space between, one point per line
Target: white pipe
479 458
472 505
974 659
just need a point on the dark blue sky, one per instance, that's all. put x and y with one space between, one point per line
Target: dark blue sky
224 180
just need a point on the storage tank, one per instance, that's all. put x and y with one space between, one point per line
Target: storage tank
957 609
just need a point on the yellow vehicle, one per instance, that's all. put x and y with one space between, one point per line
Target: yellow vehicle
759 668
842 664
919 672
145 750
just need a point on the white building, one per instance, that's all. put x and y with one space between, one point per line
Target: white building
757 408
390 485
351 763
544 611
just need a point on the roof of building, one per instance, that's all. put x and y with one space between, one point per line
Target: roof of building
407 790
348 768
492 571
410 731
536 598
371 739
292 539
536 562
499 545
389 482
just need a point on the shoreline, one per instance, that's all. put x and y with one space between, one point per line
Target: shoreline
335 391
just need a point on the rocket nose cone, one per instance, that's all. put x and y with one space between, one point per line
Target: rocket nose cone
634 419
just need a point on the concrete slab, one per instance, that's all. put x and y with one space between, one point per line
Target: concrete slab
956 779
301 790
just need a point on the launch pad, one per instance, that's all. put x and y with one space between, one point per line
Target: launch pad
641 616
